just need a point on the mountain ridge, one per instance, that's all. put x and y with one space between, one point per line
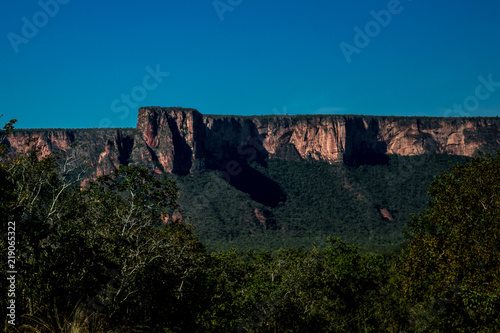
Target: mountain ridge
184 141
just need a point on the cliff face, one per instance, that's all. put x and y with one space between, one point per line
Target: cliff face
171 137
105 149
182 141
352 139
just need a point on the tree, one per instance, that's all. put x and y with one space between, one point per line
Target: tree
7 129
103 251
158 266
334 289
450 272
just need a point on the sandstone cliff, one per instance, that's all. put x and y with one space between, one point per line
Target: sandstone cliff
105 149
182 141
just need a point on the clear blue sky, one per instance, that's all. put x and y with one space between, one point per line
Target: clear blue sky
264 57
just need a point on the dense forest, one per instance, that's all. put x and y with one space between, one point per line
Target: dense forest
115 256
319 200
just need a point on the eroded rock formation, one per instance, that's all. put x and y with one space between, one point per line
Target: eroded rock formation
182 141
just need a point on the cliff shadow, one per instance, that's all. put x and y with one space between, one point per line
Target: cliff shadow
230 146
260 187
125 145
182 151
362 144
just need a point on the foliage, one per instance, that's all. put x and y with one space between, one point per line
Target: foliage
321 200
450 271
7 129
329 290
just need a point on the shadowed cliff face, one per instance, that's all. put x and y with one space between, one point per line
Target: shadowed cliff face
183 141
362 143
172 137
105 149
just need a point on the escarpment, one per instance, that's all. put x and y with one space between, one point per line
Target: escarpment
183 141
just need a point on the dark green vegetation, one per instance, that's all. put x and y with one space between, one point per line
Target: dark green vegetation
457 242
102 259
321 200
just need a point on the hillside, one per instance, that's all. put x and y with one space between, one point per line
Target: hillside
279 181
367 205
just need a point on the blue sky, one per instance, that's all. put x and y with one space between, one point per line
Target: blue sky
246 57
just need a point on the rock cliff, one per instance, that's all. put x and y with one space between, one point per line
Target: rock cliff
105 149
183 141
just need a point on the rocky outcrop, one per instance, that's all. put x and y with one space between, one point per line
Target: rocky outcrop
353 139
183 141
386 214
104 149
173 138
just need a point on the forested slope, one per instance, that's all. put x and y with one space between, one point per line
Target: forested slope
368 205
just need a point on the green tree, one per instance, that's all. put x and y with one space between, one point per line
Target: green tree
334 289
7 129
101 257
450 272
159 266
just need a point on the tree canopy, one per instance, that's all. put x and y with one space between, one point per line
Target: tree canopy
450 271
